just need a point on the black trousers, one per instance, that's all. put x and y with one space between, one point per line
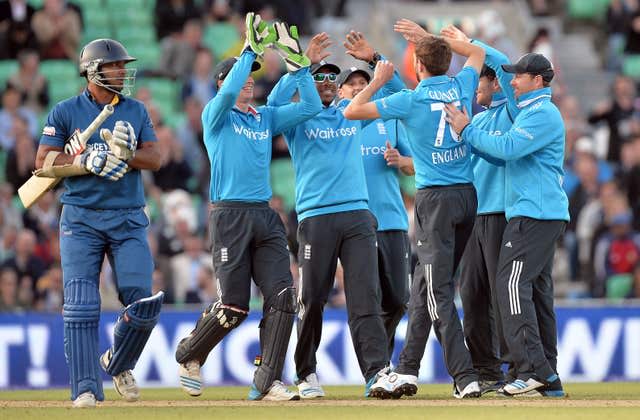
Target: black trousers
248 241
524 289
350 236
482 324
444 221
395 275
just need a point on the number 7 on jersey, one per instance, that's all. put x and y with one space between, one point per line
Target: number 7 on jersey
439 107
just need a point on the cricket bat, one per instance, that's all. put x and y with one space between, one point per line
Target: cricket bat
37 186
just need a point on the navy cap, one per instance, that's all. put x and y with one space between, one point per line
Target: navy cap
224 67
532 63
324 65
345 74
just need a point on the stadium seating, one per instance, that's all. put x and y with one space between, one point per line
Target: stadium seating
592 10
7 68
631 66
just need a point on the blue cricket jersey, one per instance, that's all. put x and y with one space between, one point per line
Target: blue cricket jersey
489 177
533 149
92 191
385 199
440 157
326 156
239 143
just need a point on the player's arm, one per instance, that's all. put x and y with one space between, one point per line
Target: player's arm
397 160
360 107
148 156
525 136
405 161
225 99
288 116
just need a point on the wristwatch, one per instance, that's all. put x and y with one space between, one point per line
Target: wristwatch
376 57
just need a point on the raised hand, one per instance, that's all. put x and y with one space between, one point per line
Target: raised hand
391 155
452 32
258 34
316 50
383 71
410 30
358 47
288 47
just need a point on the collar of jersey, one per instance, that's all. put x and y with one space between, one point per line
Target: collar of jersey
497 99
251 111
530 97
116 99
434 80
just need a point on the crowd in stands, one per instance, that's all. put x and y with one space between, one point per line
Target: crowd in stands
599 254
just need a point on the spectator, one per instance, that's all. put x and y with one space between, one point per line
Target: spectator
49 290
11 108
618 114
58 30
21 159
30 82
206 287
15 28
25 263
179 222
617 21
631 180
617 251
189 133
200 83
179 51
8 290
43 219
175 172
541 43
171 15
186 266
632 34
8 241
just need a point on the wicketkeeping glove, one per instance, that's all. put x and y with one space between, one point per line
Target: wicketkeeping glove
122 142
288 47
257 33
104 164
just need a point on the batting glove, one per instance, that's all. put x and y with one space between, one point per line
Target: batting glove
288 46
122 142
104 164
257 33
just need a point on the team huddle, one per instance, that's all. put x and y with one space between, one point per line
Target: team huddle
489 208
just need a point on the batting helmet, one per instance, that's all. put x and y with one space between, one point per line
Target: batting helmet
104 51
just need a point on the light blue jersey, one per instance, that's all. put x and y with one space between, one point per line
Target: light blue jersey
489 177
533 149
385 199
239 143
326 156
440 157
92 191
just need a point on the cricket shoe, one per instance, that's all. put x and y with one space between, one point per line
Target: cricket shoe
190 378
85 400
552 389
382 373
277 392
520 387
124 382
394 385
472 390
487 386
310 387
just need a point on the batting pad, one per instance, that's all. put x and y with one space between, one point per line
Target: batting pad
132 331
215 323
81 313
275 332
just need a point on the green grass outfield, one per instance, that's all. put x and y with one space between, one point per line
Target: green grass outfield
585 401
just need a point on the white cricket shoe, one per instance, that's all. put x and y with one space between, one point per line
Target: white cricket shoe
520 387
470 391
277 392
85 400
125 385
310 387
394 385
190 379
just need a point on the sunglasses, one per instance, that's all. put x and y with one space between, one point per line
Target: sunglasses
321 77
